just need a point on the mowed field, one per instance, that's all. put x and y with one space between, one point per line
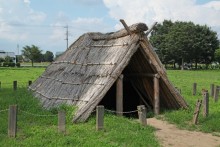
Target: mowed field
183 118
38 127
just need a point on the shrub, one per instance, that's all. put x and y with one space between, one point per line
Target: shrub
18 64
11 64
5 64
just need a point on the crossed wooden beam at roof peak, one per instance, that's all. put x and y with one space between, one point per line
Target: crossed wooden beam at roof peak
129 31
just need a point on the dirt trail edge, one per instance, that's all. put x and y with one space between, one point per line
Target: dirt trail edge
170 135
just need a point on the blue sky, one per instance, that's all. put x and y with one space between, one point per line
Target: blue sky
27 22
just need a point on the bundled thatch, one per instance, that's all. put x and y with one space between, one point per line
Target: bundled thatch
87 70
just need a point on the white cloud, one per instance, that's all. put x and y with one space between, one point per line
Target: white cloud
15 14
87 21
149 11
88 2
27 2
77 26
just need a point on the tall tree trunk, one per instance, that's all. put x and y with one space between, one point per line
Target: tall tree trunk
196 65
206 66
182 67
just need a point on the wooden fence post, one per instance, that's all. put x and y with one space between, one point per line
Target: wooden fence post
99 118
216 93
12 121
142 115
29 83
212 89
205 104
14 85
119 95
156 96
194 88
196 112
61 121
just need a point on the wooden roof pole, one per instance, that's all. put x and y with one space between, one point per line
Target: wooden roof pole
156 95
119 95
126 26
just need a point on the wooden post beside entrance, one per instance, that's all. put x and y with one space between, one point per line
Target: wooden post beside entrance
12 121
99 117
119 95
61 122
156 95
142 114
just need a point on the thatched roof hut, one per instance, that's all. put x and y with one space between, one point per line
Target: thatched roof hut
88 73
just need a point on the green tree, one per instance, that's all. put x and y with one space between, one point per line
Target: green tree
48 56
184 42
8 59
33 53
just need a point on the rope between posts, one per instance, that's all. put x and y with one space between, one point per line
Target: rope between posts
38 115
112 111
3 110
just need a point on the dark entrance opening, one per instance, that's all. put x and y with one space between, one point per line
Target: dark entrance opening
131 99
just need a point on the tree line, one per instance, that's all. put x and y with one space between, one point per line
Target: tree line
185 42
34 54
29 53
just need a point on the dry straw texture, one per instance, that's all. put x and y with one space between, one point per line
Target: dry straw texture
83 74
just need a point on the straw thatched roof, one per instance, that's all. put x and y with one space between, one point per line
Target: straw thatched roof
83 74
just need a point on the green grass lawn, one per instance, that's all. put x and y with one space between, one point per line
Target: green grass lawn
184 80
38 64
21 75
42 131
36 130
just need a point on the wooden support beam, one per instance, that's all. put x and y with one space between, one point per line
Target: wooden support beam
119 95
156 96
126 26
142 75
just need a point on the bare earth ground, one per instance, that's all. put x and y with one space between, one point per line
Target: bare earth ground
170 136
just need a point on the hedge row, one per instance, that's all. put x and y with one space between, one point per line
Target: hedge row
10 64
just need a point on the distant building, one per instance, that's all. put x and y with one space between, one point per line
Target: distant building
4 54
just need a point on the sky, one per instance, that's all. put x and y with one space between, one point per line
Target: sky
44 22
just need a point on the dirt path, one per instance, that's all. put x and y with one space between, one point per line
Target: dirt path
169 136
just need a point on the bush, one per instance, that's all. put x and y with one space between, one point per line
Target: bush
8 64
11 64
18 64
5 64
